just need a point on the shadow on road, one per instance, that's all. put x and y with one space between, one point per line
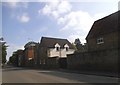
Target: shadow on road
80 77
12 68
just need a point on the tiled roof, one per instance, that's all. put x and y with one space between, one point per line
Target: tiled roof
105 25
29 44
50 42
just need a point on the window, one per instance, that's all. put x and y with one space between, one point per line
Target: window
100 41
57 48
66 48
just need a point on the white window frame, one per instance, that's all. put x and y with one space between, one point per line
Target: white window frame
57 46
66 47
100 40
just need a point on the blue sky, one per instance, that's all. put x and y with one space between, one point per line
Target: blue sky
26 21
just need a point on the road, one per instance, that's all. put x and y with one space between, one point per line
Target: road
21 75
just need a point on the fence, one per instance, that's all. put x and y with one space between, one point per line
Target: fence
105 60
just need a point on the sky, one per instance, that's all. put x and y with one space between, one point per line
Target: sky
29 21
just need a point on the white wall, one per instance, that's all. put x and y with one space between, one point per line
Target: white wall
62 53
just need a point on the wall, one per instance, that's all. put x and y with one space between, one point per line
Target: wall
52 62
55 62
62 53
31 53
110 42
106 60
52 52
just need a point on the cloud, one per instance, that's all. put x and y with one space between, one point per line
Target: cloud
76 23
72 38
14 4
99 16
12 48
40 30
77 20
56 8
23 18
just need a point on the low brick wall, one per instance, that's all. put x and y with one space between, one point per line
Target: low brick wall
55 62
52 62
105 60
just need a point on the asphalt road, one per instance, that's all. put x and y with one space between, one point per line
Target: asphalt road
20 75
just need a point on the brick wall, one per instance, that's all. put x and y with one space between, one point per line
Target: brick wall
110 42
52 62
105 60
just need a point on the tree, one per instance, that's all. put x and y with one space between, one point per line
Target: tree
4 53
13 58
4 50
77 41
80 47
78 44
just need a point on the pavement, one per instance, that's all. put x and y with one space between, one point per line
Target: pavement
100 73
22 75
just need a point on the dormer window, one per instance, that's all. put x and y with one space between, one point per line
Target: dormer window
66 47
57 46
100 41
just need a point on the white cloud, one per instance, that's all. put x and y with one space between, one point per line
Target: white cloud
16 4
99 16
12 4
77 20
77 23
23 18
72 38
12 48
40 30
56 8
64 7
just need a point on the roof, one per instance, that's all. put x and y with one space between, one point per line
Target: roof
50 42
29 44
105 25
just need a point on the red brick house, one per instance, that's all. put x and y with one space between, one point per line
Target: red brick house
30 53
21 58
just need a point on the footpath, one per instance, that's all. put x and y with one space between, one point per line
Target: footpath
108 74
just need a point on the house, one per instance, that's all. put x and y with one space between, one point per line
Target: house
51 49
104 33
21 58
103 47
30 53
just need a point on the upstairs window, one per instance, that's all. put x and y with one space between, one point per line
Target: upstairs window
66 48
57 48
100 41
